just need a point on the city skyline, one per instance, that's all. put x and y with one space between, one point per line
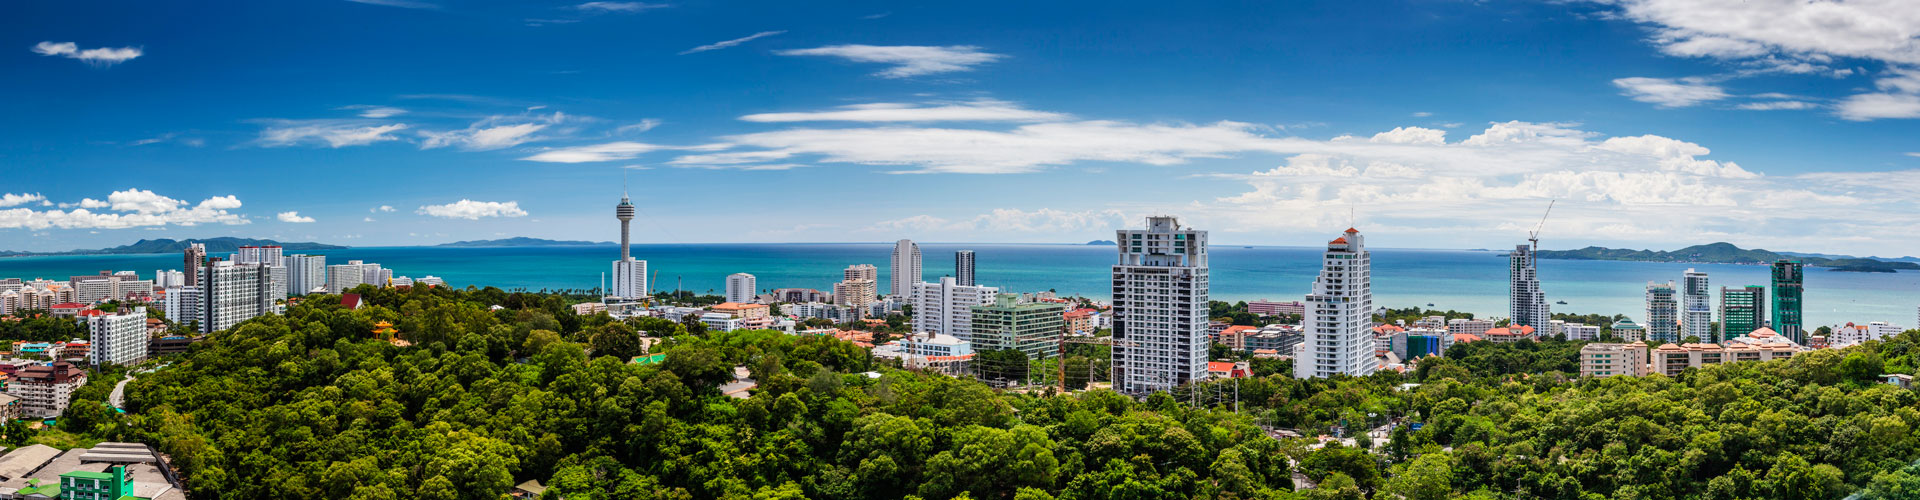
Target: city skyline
1266 127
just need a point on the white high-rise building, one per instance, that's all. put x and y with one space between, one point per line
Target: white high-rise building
233 292
1527 304
1663 313
963 267
269 256
164 279
906 268
946 308
118 339
629 275
305 273
1338 326
1697 316
1159 307
182 305
740 288
343 277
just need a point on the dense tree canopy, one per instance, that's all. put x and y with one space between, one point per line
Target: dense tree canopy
310 405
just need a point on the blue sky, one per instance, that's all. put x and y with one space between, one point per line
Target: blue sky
1655 123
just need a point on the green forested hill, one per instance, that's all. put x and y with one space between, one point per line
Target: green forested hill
1725 253
308 406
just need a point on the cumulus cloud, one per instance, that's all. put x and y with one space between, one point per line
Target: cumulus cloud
473 210
906 60
10 199
126 209
99 57
1669 93
294 217
730 43
371 111
1776 105
382 208
330 133
976 110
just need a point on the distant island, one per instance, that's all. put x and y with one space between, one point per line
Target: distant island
523 242
1727 253
1100 242
222 244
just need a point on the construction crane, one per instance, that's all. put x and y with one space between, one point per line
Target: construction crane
1534 235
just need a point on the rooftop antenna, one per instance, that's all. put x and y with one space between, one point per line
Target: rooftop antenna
1534 235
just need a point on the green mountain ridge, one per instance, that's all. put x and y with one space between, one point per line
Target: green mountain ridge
224 244
1726 253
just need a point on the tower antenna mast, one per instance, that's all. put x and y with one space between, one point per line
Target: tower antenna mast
1534 235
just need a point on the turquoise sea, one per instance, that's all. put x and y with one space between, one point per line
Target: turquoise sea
1473 281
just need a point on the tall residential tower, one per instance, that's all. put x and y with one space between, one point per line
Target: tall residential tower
963 267
1663 313
1339 320
1742 310
1787 286
1159 307
906 268
1697 319
1527 304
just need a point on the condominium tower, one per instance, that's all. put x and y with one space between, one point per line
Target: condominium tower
192 259
1159 307
741 287
856 287
1527 304
1742 310
946 307
119 338
269 256
232 292
1787 286
305 273
629 275
963 267
1697 319
1338 326
1663 313
906 268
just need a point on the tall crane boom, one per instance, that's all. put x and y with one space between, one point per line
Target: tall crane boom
1534 235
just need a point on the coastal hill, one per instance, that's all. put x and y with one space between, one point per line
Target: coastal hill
1727 253
523 242
222 244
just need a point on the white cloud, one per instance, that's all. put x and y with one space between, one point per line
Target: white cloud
473 210
976 110
1914 154
371 111
624 7
1669 93
294 217
635 128
404 4
1421 114
1795 36
492 133
129 208
331 133
1411 135
730 43
382 208
1777 105
907 60
101 57
1044 220
10 199
612 151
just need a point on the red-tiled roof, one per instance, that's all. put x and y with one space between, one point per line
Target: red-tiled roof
1219 366
67 305
1340 241
350 301
1388 329
1239 328
1352 230
1465 337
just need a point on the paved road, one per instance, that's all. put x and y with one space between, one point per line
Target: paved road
119 393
